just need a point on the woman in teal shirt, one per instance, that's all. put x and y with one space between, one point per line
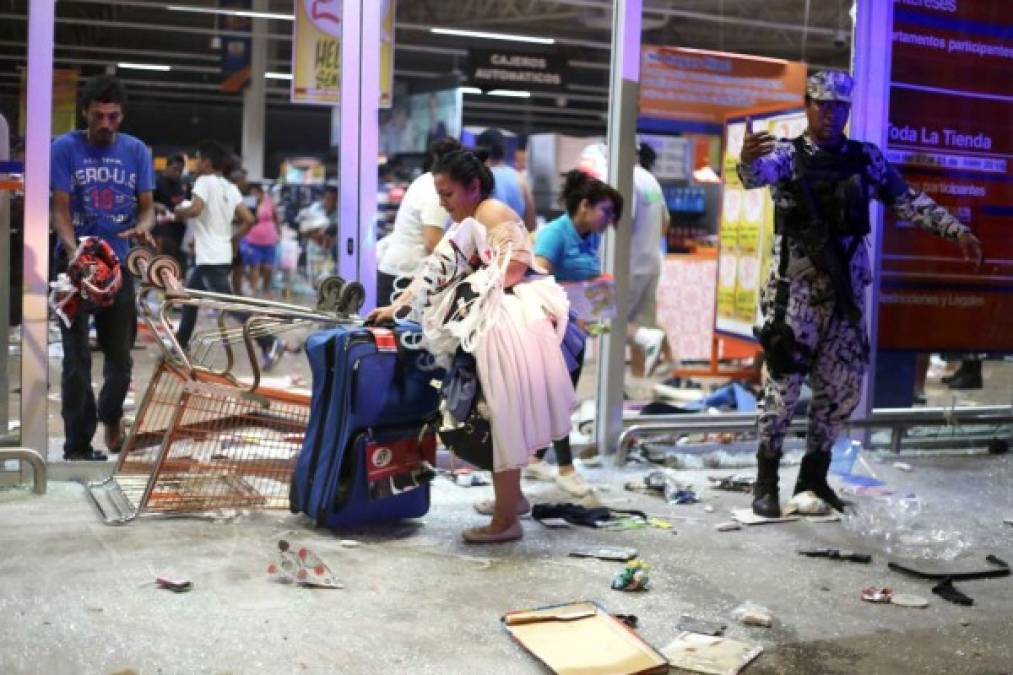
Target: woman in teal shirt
567 247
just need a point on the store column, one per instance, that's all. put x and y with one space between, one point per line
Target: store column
255 98
872 55
34 335
624 92
359 146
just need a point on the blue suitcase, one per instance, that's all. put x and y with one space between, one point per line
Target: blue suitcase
368 449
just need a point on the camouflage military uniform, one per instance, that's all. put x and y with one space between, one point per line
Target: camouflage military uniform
839 348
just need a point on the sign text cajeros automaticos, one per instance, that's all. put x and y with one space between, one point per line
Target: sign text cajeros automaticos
500 69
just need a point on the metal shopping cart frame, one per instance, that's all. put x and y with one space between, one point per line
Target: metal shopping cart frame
205 440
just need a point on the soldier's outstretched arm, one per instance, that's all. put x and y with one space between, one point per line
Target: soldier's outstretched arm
918 208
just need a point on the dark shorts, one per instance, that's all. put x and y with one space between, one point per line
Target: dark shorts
254 254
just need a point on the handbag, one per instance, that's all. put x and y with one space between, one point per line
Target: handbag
471 441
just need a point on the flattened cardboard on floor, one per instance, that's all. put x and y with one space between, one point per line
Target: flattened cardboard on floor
594 644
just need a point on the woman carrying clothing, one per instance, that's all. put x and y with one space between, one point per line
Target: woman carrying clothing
259 245
567 248
512 324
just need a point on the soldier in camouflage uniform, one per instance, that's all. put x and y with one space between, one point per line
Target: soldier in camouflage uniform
813 299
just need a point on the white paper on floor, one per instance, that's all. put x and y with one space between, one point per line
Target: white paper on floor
709 654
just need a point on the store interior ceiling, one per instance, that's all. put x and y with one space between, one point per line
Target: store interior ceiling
96 35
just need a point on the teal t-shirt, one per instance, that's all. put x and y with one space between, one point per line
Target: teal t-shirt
573 257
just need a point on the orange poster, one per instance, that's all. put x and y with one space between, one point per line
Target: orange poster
702 87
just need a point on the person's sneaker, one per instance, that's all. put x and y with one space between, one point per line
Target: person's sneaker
540 470
574 484
655 338
93 456
272 355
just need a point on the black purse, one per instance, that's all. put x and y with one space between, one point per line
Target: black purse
471 441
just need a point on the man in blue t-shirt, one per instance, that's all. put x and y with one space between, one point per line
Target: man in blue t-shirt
509 186
101 182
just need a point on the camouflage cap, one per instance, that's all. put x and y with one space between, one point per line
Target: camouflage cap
829 85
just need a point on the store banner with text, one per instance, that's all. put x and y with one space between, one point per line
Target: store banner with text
746 227
950 134
525 71
235 50
64 102
693 90
316 52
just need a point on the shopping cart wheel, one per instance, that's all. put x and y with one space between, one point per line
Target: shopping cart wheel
353 296
159 267
329 293
137 259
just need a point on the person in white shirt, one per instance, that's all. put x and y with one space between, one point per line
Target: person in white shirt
650 222
215 203
418 227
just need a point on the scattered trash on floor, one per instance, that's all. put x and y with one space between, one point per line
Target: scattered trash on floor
831 517
680 496
617 554
633 577
349 543
909 600
708 509
806 504
903 466
747 517
709 654
1000 568
836 554
701 626
874 594
630 620
175 584
728 526
582 637
599 516
659 523
947 591
751 614
898 526
1008 521
304 567
738 482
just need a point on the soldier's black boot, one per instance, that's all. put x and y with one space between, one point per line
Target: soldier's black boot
765 497
812 475
968 377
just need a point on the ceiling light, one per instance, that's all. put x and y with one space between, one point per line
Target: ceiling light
470 90
509 92
493 36
143 66
278 76
230 12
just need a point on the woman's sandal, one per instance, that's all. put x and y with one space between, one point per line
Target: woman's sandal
482 535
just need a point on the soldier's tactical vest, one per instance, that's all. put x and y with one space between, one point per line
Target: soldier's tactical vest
837 201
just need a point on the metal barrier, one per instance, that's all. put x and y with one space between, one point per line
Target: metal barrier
898 420
37 462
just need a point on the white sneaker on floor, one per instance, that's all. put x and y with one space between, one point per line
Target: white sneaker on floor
540 470
574 484
654 339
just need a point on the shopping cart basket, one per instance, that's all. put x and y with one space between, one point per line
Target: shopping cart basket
203 439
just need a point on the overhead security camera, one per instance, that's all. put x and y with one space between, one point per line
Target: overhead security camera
841 39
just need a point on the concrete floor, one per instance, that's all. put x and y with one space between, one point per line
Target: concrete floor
78 596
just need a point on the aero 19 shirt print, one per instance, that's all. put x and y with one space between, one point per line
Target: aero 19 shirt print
103 183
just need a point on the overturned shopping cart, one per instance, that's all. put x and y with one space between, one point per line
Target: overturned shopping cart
205 439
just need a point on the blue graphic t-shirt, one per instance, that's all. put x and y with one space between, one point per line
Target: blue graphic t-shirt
573 257
103 183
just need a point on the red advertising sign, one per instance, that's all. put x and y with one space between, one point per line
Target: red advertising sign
951 135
